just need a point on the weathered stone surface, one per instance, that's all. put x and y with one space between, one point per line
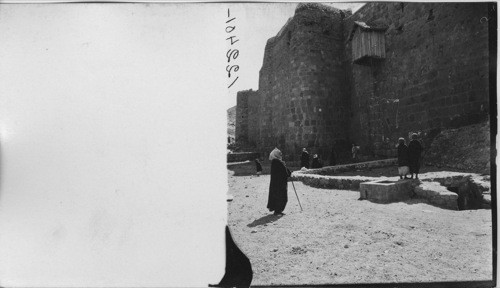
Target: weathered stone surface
301 98
245 130
332 170
312 95
469 195
424 84
385 191
437 194
466 148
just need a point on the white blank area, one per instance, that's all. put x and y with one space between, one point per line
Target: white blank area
112 129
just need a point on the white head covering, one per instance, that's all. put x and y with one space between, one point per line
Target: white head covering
275 154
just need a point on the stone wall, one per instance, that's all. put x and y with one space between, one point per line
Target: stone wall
242 115
435 75
253 117
303 100
231 118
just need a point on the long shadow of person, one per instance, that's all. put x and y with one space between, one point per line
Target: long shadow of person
264 220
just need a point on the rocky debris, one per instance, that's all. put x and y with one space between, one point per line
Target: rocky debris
469 195
466 148
298 250
400 243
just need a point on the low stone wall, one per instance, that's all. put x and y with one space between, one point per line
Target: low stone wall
242 156
437 194
331 182
432 185
321 177
330 170
454 179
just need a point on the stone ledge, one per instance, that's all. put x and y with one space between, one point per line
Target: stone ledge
447 178
328 170
332 182
437 194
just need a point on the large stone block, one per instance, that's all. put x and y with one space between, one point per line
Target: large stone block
385 191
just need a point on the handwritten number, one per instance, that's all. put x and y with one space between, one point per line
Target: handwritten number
232 53
228 69
233 82
232 42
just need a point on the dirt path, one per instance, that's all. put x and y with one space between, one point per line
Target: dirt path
339 239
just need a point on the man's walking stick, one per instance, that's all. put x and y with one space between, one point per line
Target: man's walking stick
296 194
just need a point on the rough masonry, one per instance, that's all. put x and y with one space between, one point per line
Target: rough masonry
435 75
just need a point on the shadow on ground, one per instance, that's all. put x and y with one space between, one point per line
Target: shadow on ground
264 220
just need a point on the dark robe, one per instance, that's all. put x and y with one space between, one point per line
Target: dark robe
258 166
414 151
403 159
316 163
304 159
278 196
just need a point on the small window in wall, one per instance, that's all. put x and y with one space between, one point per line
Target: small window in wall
368 43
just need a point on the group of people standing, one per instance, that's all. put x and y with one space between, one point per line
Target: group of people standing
304 160
409 157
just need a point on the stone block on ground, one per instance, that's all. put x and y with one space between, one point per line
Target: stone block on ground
385 191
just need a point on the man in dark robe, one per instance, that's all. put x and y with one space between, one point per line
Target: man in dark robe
278 188
403 159
414 151
304 159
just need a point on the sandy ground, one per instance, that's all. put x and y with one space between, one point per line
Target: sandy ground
340 239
